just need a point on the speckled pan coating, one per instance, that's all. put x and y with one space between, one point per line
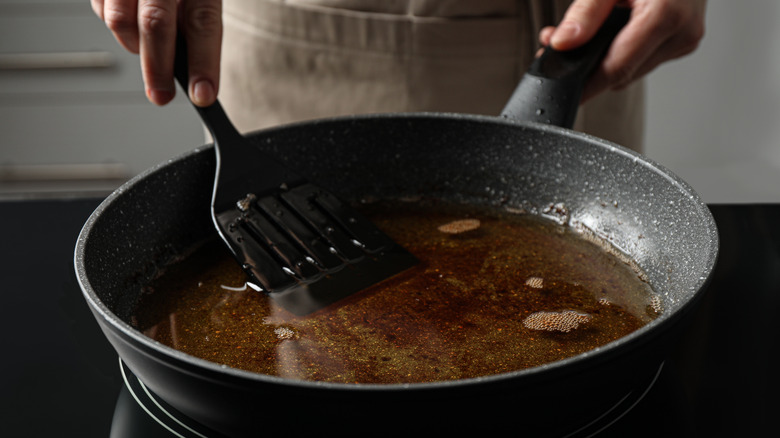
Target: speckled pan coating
636 204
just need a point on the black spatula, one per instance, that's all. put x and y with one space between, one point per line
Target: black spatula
296 241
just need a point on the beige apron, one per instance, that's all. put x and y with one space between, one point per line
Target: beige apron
286 61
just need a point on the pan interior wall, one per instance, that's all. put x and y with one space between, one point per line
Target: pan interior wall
571 178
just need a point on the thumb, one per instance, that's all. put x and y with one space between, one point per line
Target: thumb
580 22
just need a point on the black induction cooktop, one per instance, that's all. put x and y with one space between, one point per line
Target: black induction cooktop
60 376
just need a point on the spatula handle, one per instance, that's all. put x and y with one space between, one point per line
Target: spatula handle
213 116
241 167
550 91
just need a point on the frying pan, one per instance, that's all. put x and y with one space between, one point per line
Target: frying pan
634 203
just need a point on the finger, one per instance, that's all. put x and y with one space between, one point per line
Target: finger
580 22
679 33
157 43
653 35
673 48
544 39
202 21
620 64
97 7
121 18
545 34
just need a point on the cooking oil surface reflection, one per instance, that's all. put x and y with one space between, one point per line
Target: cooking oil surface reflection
495 292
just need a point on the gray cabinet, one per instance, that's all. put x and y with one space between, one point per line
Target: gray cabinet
73 115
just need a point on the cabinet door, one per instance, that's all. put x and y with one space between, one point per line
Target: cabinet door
69 94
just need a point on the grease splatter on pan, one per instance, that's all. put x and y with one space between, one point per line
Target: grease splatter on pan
459 226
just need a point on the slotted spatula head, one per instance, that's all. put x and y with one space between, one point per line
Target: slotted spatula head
297 242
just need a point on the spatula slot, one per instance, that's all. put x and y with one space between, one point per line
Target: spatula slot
310 241
253 254
303 200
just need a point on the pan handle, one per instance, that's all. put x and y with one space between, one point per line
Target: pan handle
550 90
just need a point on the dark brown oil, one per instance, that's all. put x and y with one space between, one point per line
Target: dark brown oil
459 314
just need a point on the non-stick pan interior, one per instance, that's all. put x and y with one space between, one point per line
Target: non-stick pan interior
638 206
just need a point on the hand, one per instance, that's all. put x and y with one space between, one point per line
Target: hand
658 31
148 27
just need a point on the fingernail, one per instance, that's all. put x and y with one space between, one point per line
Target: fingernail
564 34
159 96
203 93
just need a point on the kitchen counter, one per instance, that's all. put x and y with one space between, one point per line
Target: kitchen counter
60 376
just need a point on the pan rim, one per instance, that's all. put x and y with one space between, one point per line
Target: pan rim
549 370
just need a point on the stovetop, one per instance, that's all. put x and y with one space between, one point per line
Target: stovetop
60 376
